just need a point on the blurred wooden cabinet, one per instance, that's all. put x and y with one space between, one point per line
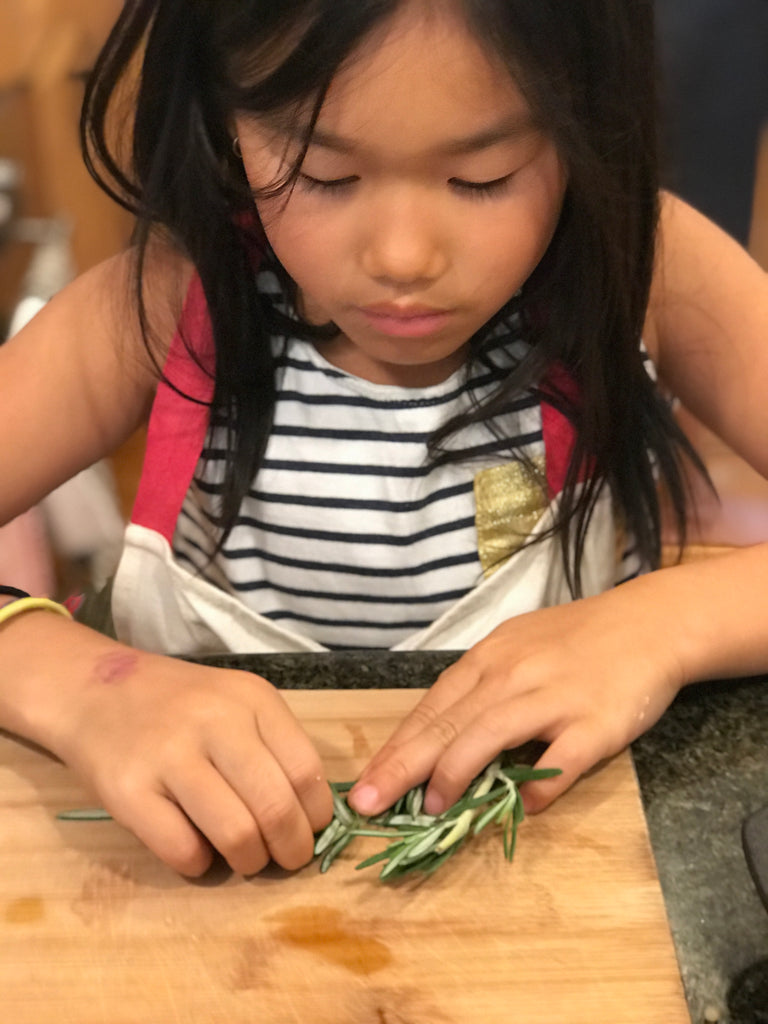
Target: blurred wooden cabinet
44 46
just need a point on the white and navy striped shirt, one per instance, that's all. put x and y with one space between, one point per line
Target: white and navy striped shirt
349 535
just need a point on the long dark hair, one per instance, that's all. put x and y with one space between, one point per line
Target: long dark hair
587 69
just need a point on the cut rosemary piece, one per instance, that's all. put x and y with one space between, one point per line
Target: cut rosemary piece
422 842
85 814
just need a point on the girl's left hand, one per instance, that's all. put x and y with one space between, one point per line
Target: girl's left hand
587 678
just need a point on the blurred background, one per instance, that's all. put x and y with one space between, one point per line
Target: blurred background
55 223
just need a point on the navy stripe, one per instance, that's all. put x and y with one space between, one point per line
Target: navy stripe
310 501
526 402
290 362
350 647
199 570
365 403
356 538
344 623
297 563
444 494
352 469
326 595
491 372
189 541
186 514
351 435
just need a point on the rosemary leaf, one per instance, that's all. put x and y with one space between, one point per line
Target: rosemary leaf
493 813
379 833
327 836
424 845
341 811
400 855
376 858
334 851
422 820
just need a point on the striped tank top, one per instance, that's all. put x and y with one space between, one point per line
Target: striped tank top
351 535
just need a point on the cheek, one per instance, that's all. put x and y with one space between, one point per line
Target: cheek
304 245
507 252
519 236
287 232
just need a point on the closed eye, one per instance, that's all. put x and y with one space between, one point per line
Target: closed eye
327 184
482 189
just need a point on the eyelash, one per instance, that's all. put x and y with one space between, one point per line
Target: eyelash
317 184
470 189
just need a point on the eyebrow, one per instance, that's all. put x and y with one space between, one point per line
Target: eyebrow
509 130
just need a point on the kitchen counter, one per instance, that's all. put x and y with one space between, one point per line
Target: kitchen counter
702 769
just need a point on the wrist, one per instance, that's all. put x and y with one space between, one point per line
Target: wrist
643 611
44 675
709 613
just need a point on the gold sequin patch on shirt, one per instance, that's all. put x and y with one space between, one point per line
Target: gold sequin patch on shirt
509 501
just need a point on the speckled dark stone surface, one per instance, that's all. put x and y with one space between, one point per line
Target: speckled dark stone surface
347 670
702 769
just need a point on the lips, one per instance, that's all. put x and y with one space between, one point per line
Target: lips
412 321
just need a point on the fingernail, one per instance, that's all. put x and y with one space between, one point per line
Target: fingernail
433 803
365 800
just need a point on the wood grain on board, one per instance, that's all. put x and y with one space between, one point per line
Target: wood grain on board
94 930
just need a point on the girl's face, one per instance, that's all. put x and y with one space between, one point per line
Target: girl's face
426 198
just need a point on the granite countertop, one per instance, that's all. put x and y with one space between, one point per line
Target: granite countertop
702 770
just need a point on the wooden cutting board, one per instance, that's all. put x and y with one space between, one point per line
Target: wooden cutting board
94 930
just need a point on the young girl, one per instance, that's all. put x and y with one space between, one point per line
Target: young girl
395 303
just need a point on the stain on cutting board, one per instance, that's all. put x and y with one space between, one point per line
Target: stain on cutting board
332 936
361 748
26 910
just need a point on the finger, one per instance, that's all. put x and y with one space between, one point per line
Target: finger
451 750
292 749
503 726
165 830
260 782
452 685
221 815
574 751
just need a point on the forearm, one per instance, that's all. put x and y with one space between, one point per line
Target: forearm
47 665
711 612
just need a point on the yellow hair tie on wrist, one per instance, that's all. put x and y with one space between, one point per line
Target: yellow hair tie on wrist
29 604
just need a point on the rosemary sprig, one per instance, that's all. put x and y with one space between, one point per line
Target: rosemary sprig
416 841
422 842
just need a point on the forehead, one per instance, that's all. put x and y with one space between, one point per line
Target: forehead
419 82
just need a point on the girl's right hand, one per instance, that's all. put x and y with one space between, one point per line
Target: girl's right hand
187 757
181 753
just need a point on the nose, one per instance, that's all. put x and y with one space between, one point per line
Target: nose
403 246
